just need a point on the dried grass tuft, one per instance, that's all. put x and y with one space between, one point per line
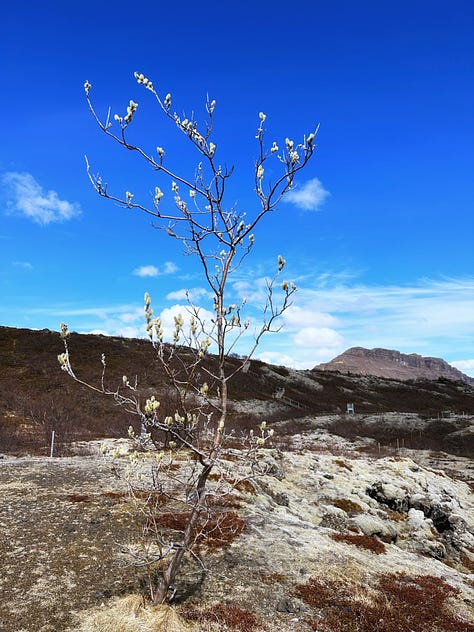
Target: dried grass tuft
129 614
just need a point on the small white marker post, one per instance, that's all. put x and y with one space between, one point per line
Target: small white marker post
52 444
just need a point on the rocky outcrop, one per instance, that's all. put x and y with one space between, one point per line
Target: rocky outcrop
392 364
327 511
414 509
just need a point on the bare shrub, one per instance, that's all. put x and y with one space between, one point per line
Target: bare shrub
191 414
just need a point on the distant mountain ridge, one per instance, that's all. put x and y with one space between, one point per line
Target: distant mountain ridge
392 364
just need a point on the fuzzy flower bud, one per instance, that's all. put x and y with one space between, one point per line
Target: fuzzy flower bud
131 109
281 263
212 149
140 77
262 117
260 172
158 194
63 360
205 344
151 405
64 331
294 157
167 101
274 147
87 87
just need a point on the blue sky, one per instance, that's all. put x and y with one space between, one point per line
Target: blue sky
379 232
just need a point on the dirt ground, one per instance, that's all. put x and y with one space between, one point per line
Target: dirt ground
59 533
63 522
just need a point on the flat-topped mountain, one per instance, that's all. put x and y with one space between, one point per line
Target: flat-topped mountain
392 364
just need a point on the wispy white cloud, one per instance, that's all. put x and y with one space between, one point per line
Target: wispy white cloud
430 317
275 357
132 316
26 265
123 320
152 271
26 197
194 294
317 337
169 268
464 365
146 271
309 196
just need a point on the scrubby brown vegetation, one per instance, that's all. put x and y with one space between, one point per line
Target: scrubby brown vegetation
397 603
36 395
368 542
215 531
227 617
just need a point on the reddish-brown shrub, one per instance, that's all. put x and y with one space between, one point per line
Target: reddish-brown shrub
349 506
467 561
228 501
396 516
230 616
78 498
343 464
368 542
245 486
214 530
398 604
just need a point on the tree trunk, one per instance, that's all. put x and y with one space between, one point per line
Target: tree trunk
169 574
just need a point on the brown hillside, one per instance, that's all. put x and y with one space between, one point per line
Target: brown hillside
36 397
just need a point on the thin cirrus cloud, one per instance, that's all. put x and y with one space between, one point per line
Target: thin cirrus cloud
193 294
152 271
25 265
310 196
430 317
26 197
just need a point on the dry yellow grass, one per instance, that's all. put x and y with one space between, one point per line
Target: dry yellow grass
129 614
